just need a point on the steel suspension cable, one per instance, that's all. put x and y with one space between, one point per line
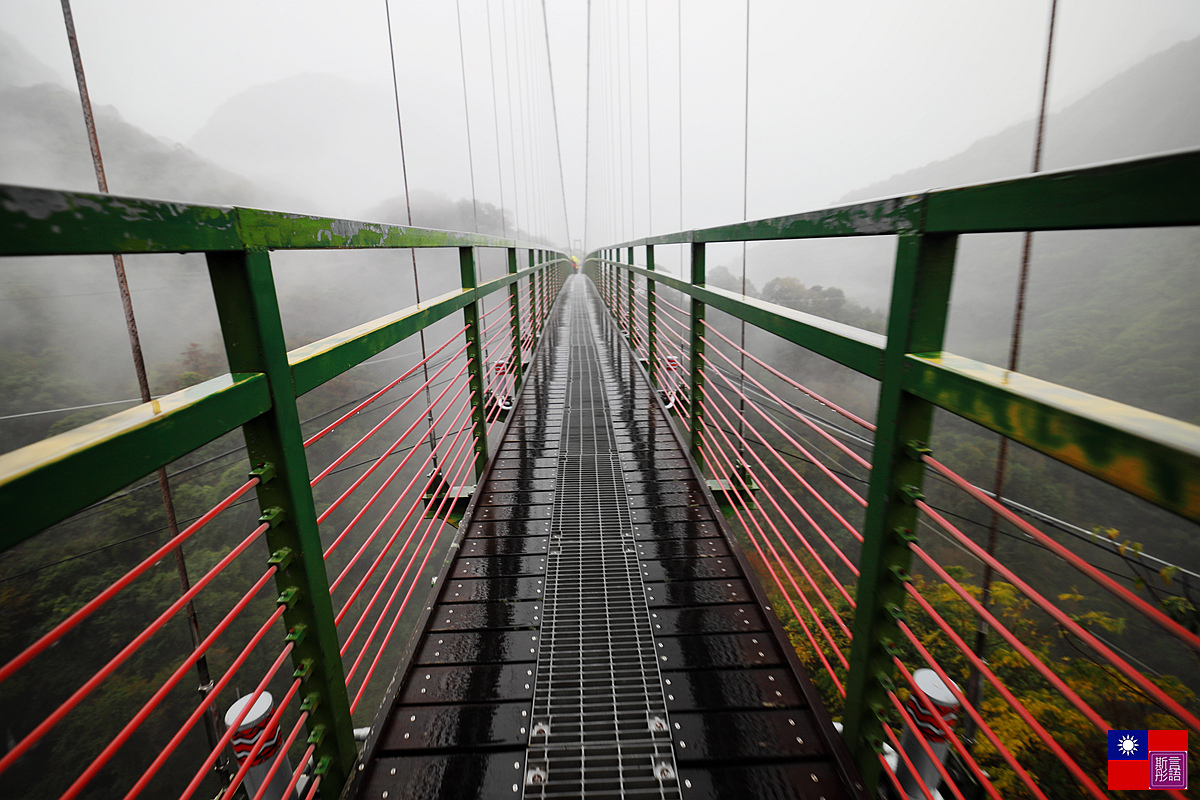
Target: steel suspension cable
407 197
587 130
1014 352
496 119
462 62
554 112
212 726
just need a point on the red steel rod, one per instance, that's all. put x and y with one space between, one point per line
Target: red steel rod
391 415
1071 558
34 736
272 724
1064 619
67 625
156 699
232 729
407 373
378 492
209 698
324 515
282 755
1012 700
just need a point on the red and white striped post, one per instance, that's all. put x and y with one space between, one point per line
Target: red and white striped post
945 705
253 728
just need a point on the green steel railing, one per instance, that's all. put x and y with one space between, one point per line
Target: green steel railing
50 480
1152 456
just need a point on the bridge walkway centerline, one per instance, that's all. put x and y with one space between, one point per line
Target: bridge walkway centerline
596 631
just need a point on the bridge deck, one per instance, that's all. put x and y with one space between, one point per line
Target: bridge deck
596 634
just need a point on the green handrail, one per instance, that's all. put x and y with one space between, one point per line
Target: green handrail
1149 455
50 480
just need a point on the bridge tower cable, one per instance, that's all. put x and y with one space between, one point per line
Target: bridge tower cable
562 182
649 143
433 440
587 129
496 120
629 98
462 63
512 137
974 681
745 217
211 723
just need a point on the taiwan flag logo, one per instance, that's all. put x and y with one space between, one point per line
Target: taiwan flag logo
1147 760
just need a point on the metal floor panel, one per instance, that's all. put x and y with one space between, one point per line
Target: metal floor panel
596 634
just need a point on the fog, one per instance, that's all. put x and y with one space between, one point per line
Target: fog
841 95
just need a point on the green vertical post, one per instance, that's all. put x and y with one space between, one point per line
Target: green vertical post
248 309
514 313
651 320
631 319
696 354
533 300
476 368
916 324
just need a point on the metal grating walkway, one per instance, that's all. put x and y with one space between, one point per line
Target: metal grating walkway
596 635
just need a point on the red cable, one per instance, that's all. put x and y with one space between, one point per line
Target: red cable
792 382
428 528
157 698
803 450
379 461
1009 697
820 531
82 692
795 558
962 700
362 549
67 625
209 698
391 415
417 475
902 756
362 617
337 423
1083 566
281 756
948 732
824 434
1065 620
296 773
924 742
795 612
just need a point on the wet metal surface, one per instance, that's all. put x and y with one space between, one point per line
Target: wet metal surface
596 635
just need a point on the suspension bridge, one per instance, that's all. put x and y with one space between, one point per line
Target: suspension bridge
578 526
587 623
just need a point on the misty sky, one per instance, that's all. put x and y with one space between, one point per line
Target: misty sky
841 94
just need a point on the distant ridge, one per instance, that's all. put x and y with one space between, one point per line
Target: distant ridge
1152 107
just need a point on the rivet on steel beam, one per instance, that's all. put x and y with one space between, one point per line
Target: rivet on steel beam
877 744
288 596
310 702
318 733
916 450
885 681
264 472
911 494
322 765
296 634
272 516
906 534
303 670
900 572
282 558
895 611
